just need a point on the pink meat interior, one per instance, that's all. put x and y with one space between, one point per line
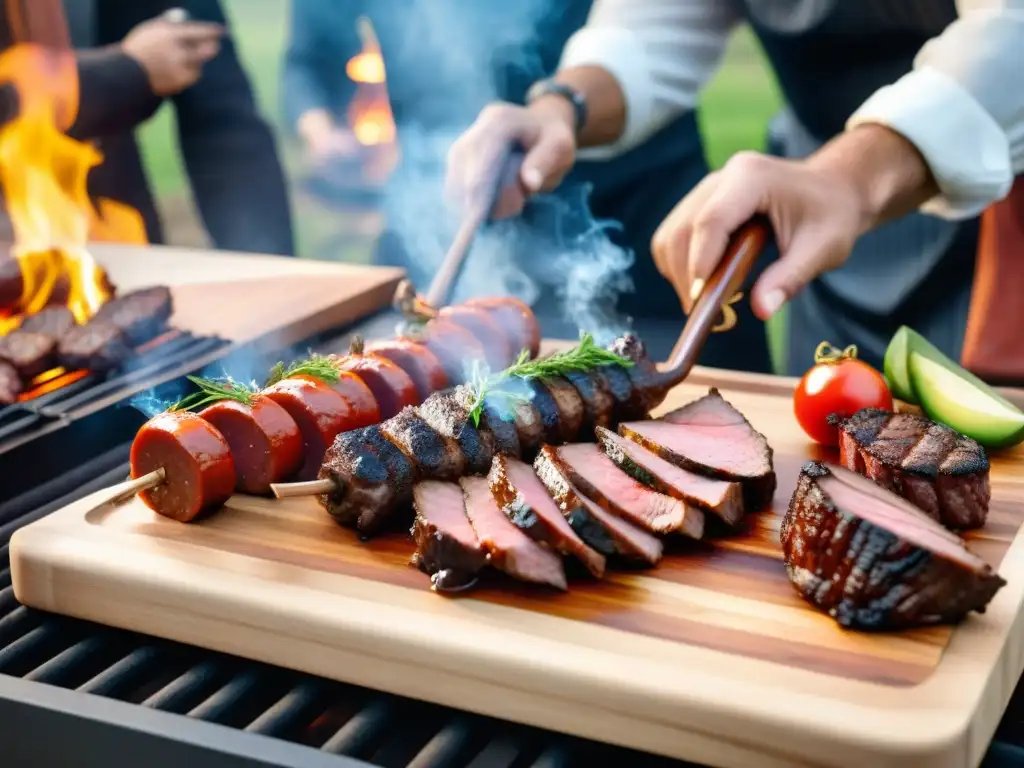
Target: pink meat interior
442 505
727 447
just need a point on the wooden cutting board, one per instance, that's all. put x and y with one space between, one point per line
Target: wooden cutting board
709 657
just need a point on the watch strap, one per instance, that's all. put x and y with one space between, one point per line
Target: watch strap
567 92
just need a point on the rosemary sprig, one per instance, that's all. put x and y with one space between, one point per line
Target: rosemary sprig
215 390
322 367
584 357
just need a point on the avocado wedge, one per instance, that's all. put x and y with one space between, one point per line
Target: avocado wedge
896 363
959 399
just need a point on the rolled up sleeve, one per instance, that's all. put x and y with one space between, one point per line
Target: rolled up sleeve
661 52
962 106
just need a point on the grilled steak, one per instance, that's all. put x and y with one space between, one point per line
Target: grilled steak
53 321
96 346
598 403
601 530
568 406
720 497
710 437
371 477
447 413
27 352
872 560
434 456
141 315
446 545
500 421
939 470
593 473
550 417
10 384
508 548
523 499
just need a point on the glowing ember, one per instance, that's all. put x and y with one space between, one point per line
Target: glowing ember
369 113
51 381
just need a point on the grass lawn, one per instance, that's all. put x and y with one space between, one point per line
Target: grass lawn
735 111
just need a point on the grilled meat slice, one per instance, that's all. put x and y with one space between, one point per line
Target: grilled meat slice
447 548
500 421
447 413
522 497
601 530
10 384
720 497
434 456
53 321
547 407
508 548
598 403
141 315
872 560
29 353
513 401
944 473
710 437
96 346
593 473
372 479
569 406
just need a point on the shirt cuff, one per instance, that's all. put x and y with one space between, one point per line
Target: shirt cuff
966 150
622 55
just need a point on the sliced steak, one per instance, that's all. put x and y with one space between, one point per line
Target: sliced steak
53 321
598 403
593 473
447 413
872 560
710 437
447 548
372 479
602 531
522 498
141 315
28 353
944 473
720 497
96 346
508 548
10 384
434 456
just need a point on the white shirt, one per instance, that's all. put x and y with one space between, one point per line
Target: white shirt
962 105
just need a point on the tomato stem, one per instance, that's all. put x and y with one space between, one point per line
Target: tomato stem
826 353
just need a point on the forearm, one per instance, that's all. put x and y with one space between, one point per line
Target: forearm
606 104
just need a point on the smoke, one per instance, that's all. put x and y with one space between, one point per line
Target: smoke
556 252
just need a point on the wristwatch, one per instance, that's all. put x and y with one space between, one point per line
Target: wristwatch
570 94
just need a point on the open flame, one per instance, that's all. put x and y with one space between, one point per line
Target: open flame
43 174
369 112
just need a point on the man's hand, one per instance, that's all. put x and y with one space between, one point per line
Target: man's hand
172 54
818 208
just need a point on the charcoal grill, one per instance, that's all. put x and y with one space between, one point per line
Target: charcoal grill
79 694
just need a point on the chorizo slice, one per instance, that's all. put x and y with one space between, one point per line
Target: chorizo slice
199 470
515 318
264 439
455 347
420 363
365 409
499 345
320 413
391 386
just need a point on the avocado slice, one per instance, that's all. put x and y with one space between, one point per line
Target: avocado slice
959 399
897 355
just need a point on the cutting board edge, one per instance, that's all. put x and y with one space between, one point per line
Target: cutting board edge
45 553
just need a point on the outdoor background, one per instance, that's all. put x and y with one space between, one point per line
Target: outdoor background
734 114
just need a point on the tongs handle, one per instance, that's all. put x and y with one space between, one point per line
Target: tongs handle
744 247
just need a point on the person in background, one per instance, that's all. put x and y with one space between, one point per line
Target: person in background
133 57
429 92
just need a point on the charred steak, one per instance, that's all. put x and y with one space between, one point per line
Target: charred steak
872 560
710 437
932 466
96 346
53 321
141 315
29 353
446 545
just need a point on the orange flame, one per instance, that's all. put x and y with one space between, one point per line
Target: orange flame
43 173
369 112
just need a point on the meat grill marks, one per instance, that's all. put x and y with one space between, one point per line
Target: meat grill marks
10 384
587 467
719 497
447 547
935 468
448 415
598 403
508 548
525 501
872 560
434 456
710 437
600 530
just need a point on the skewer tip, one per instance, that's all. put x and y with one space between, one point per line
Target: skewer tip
308 488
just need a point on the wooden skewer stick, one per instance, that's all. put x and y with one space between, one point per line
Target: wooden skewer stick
127 490
308 488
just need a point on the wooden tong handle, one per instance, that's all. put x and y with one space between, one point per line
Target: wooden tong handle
742 251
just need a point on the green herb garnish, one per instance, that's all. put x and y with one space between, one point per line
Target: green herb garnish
215 390
321 367
583 358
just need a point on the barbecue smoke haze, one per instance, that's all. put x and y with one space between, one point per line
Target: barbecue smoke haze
558 246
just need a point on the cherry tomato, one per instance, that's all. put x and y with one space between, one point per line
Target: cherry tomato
838 384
